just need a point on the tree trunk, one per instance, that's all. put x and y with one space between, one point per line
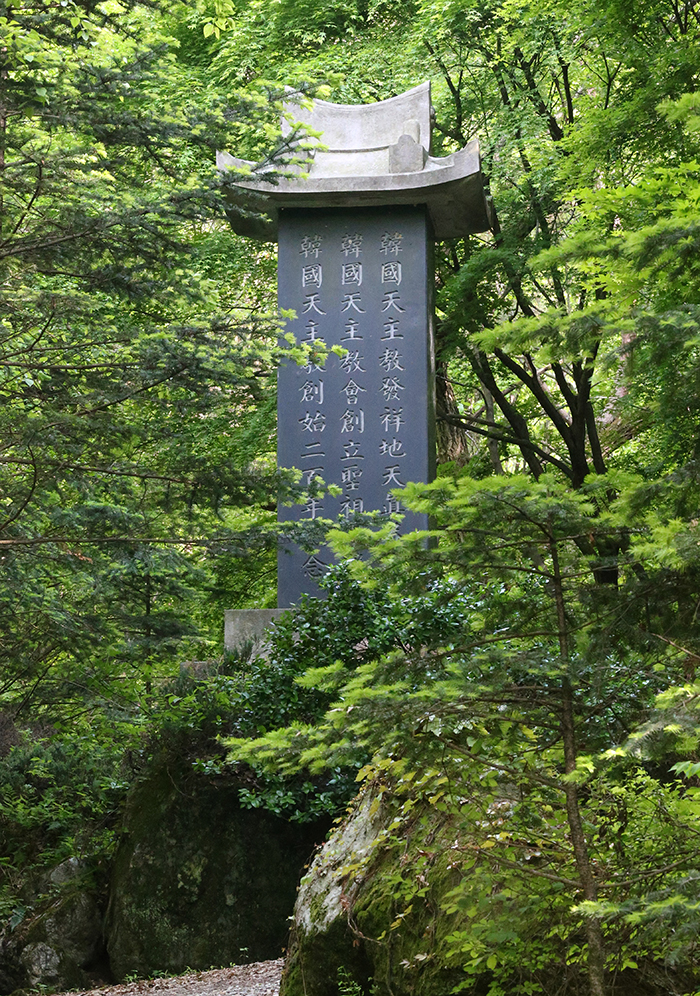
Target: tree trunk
452 440
491 442
594 934
589 887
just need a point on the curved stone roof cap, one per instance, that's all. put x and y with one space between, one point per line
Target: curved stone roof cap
352 128
366 155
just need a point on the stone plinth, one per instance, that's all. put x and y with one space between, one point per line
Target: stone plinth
243 627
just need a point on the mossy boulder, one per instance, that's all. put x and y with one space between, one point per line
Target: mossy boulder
58 944
394 905
369 911
197 881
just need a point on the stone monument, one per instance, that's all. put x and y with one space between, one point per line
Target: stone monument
356 222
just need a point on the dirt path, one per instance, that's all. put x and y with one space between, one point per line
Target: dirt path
262 978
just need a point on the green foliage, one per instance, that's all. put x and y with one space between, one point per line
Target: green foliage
138 342
529 720
526 668
347 986
131 330
60 798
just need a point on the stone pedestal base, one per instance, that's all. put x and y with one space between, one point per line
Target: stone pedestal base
242 626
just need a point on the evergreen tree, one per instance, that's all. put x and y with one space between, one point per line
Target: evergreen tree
136 369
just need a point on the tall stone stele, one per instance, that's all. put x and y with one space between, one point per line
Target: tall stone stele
356 222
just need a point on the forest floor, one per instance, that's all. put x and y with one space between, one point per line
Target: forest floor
261 978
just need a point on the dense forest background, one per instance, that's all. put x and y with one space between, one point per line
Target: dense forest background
531 672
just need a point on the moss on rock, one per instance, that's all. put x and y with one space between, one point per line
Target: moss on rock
370 907
197 881
388 903
58 945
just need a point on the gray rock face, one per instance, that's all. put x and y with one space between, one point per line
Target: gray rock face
197 881
363 912
324 892
42 964
57 944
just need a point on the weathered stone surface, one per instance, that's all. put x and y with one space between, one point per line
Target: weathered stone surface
355 137
42 964
197 881
248 627
347 903
59 944
407 156
361 160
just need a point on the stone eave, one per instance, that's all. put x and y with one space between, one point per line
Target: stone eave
450 187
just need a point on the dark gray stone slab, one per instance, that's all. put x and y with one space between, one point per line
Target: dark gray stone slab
361 279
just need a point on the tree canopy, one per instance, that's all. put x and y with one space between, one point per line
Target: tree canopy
538 648
137 345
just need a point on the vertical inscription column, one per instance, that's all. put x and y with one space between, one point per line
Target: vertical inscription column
360 279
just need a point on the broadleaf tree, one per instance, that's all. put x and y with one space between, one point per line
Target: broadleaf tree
567 393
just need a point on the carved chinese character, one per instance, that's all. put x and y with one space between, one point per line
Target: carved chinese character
348 506
312 275
391 272
313 451
352 274
313 507
310 246
389 360
391 300
350 477
351 391
311 302
392 417
391 243
351 362
314 567
312 423
353 301
351 451
351 421
309 473
310 367
312 391
393 448
391 329
392 505
311 328
391 475
351 245
351 328
390 388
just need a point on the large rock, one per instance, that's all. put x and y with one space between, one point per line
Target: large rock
388 909
364 913
376 910
197 881
58 945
